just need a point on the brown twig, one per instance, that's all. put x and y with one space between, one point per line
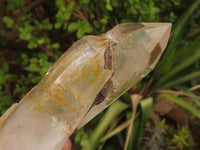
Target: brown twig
195 87
177 93
114 124
116 21
2 10
45 35
192 34
144 91
35 4
46 50
10 36
80 15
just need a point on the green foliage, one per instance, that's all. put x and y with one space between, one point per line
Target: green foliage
182 140
8 21
169 67
26 32
105 122
13 4
175 138
35 36
39 65
5 99
82 137
81 27
63 14
164 136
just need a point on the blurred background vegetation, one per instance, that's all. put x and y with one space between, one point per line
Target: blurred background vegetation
34 34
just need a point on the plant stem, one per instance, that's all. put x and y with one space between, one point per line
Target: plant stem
115 109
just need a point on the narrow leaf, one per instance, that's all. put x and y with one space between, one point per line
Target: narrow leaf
195 56
183 103
116 130
177 33
146 106
115 109
182 79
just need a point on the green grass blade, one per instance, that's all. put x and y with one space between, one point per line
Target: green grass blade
183 103
116 130
188 91
115 109
146 106
191 59
134 134
167 61
183 79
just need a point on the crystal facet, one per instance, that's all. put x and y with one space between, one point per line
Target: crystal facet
94 72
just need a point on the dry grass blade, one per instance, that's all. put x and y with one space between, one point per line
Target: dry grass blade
191 108
116 130
135 101
177 93
195 87
114 124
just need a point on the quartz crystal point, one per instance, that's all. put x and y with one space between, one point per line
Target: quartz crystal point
93 73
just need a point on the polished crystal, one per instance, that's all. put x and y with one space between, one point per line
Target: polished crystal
91 75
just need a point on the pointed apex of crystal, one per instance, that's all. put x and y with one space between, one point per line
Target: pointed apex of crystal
153 37
159 32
